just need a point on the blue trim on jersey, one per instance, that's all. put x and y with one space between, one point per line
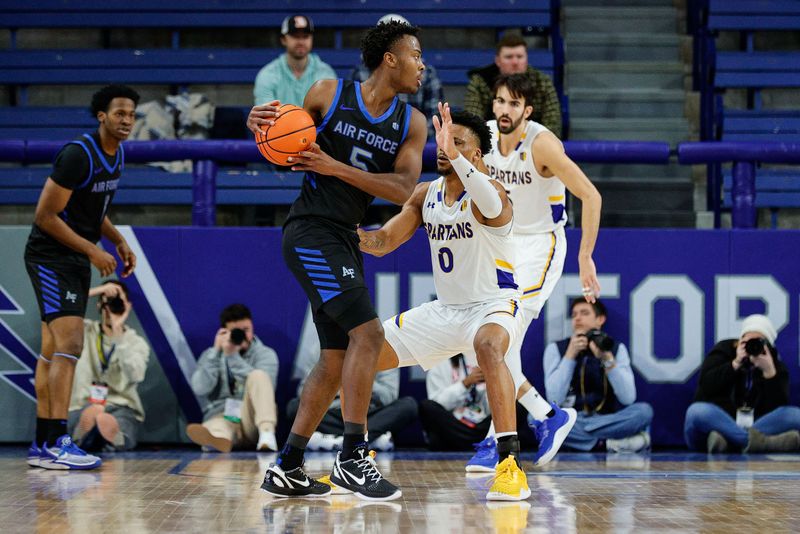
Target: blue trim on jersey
327 294
309 267
91 165
322 276
102 155
308 251
464 192
46 270
312 181
52 301
408 122
49 308
363 108
45 276
320 283
49 292
48 285
122 157
331 109
318 260
505 279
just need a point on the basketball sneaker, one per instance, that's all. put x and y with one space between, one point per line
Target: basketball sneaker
335 490
66 455
34 454
552 432
292 483
361 476
485 458
510 482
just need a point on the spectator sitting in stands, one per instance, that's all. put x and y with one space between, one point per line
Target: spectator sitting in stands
456 413
594 376
512 58
388 414
742 399
429 95
106 412
237 377
289 77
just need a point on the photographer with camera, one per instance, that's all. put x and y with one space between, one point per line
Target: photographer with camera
742 399
237 376
105 411
592 373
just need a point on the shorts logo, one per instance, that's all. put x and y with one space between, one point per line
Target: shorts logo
431 205
71 297
348 272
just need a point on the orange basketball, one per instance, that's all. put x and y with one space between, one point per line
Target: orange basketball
293 131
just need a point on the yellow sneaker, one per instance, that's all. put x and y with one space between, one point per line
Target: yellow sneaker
510 482
335 490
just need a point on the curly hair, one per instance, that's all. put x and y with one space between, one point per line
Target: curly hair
102 98
381 39
477 126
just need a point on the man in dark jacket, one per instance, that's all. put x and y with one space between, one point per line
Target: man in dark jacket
742 399
512 58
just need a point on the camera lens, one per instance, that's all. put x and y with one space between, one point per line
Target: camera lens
115 305
754 347
237 336
601 339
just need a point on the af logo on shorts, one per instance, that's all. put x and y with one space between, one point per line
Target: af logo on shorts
348 272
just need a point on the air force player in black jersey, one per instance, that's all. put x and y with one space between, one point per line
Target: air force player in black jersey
70 218
369 145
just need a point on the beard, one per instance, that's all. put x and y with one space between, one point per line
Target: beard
505 130
443 169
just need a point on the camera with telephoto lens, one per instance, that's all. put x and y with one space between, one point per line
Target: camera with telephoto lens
237 336
114 305
755 346
601 339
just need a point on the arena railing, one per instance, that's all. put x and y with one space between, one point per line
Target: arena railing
205 156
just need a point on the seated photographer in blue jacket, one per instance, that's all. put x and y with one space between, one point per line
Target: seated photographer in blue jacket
742 399
592 373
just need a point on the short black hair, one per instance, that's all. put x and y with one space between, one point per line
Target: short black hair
102 98
121 284
234 312
381 38
520 85
477 125
510 41
599 307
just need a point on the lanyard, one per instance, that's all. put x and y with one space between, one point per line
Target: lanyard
105 358
231 379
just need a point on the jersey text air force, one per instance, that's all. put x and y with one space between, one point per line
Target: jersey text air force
349 133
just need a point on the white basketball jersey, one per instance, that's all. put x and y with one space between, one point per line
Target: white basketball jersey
539 202
472 262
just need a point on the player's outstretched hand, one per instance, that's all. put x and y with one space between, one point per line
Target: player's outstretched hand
261 115
371 242
589 283
315 160
444 134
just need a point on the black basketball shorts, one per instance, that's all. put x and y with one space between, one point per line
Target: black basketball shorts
327 262
62 288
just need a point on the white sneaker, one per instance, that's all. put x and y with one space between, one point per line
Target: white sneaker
321 442
267 441
382 443
635 443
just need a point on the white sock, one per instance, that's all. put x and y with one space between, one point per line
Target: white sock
491 430
503 434
535 404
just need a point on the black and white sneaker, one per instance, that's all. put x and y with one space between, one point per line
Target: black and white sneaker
293 483
361 476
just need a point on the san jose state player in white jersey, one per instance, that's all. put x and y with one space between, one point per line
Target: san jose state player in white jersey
529 162
468 219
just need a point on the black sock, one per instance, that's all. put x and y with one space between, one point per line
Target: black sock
41 431
56 429
291 456
353 438
551 413
508 445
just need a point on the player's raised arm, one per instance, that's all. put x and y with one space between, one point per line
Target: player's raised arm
398 229
489 200
550 153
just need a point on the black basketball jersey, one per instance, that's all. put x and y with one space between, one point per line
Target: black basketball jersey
349 134
93 176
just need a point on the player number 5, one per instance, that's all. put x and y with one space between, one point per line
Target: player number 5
360 153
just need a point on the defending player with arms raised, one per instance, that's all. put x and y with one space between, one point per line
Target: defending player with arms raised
468 219
369 145
70 218
530 163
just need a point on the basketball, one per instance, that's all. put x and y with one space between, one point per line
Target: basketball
293 131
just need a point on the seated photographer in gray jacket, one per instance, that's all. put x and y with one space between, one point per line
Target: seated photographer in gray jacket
592 373
237 377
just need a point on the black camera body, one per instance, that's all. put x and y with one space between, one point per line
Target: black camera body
603 341
755 346
114 305
237 336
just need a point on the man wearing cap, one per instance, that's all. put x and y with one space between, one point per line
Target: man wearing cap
742 399
289 77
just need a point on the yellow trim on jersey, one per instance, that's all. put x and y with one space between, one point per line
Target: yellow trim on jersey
558 198
504 264
398 320
538 286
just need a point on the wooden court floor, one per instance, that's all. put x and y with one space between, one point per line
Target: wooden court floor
181 491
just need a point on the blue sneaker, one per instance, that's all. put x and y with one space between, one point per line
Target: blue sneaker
485 458
34 453
67 455
552 432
